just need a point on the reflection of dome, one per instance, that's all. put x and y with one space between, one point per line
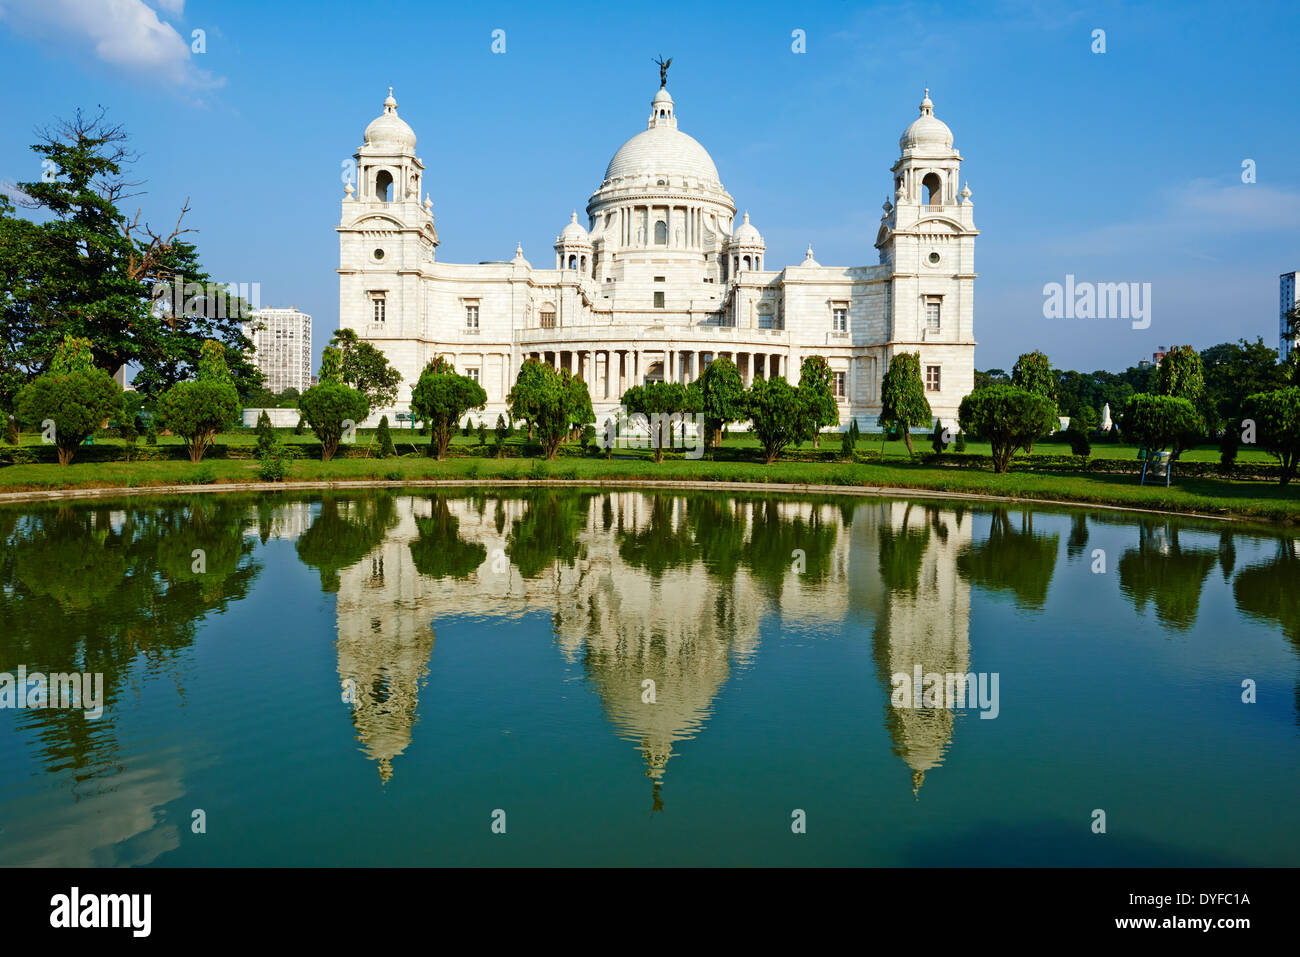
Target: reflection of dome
388 132
663 150
927 131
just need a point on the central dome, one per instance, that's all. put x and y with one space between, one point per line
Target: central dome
662 150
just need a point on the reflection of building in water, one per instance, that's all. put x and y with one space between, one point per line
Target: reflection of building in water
287 520
635 601
921 608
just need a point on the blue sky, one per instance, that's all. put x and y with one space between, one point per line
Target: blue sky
1122 166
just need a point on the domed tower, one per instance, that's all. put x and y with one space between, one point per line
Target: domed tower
573 248
385 234
661 202
745 248
927 238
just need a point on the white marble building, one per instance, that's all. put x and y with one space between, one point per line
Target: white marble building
663 277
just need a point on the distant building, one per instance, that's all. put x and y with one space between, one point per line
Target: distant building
1290 298
120 378
282 347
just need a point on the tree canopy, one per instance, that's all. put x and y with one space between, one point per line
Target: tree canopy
441 397
93 271
902 396
816 386
1007 416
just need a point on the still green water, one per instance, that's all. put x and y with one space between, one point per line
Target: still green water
644 678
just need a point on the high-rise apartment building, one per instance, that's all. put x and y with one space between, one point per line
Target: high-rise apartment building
282 343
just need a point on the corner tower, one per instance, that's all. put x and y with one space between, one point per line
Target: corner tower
927 239
385 233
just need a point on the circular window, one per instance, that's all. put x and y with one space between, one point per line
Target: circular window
379 254
934 259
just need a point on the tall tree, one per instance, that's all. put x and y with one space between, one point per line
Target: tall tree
1181 375
91 270
441 397
366 369
778 415
1007 416
902 396
551 401
722 396
1277 418
1033 372
816 385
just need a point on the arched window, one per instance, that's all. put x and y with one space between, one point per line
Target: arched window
583 265
746 262
661 233
933 189
573 262
384 186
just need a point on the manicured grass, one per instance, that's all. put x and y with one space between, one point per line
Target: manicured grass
1254 499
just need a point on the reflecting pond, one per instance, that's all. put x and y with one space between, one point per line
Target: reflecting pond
559 676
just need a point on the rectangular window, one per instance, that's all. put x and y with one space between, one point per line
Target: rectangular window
932 314
548 319
765 319
378 305
471 317
839 318
839 384
932 379
472 373
659 300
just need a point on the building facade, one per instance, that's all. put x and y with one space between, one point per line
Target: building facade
662 278
1290 299
282 347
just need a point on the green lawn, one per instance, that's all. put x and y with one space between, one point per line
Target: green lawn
1212 495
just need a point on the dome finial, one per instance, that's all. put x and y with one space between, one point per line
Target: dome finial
927 108
390 104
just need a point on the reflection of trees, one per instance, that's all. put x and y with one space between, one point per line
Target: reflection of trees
548 532
1078 539
94 590
1271 591
719 531
345 532
1011 560
769 553
1227 553
1161 571
440 552
659 544
901 552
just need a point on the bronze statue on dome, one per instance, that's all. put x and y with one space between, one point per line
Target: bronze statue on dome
663 70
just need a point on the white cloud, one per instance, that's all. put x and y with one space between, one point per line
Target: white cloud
124 34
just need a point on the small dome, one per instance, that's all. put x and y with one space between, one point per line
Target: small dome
388 132
574 232
746 235
927 131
